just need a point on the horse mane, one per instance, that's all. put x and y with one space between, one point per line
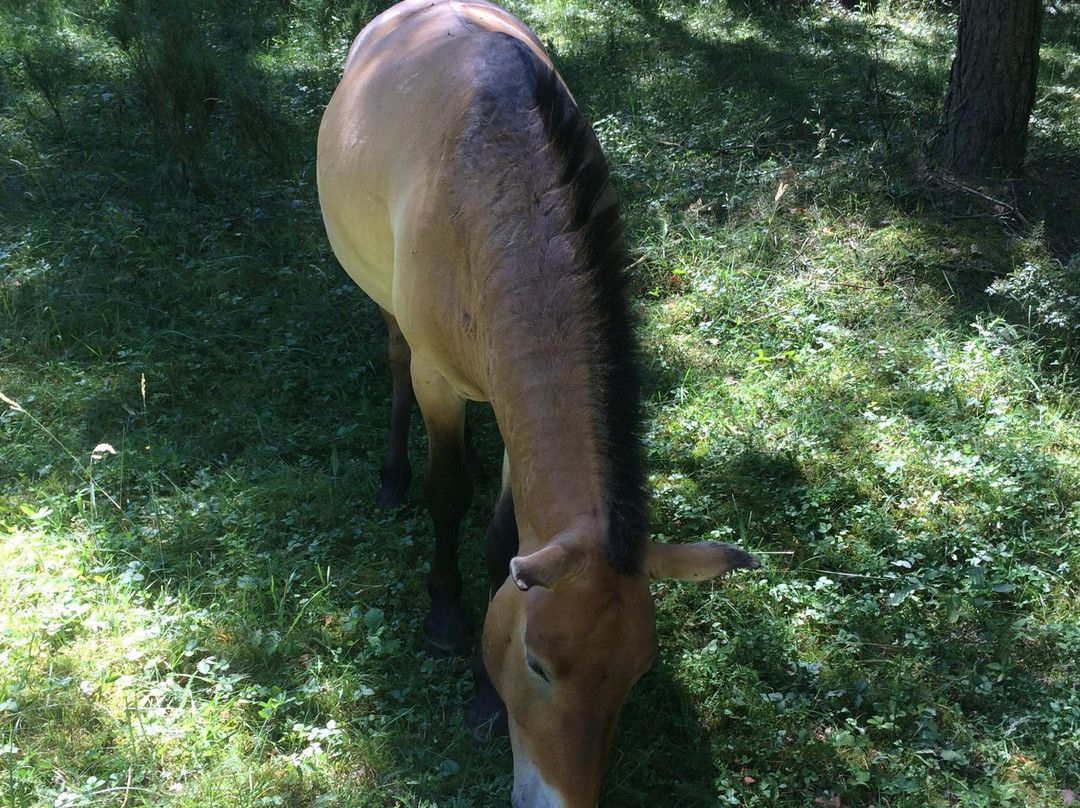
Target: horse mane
590 224
605 261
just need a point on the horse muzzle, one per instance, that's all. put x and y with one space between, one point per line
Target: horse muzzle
531 790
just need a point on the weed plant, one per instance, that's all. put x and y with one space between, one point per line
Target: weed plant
199 604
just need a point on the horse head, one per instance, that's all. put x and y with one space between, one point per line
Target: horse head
565 639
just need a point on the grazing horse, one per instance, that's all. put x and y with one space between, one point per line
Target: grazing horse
463 190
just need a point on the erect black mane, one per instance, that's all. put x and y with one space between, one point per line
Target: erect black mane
604 260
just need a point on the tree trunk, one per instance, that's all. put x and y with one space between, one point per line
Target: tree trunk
984 121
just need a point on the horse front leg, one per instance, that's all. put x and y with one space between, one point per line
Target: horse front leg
448 490
396 472
486 713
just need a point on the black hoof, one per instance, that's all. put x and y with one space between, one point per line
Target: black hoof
394 479
486 718
390 497
486 714
446 632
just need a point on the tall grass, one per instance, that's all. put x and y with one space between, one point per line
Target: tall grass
199 604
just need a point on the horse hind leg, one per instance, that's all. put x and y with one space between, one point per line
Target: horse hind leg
396 472
448 490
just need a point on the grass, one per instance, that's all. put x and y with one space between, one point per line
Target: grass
211 612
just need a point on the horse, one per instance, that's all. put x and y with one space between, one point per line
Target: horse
462 188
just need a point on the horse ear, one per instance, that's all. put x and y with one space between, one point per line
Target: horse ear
695 562
547 566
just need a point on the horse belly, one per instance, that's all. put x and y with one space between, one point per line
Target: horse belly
383 144
387 177
353 194
364 247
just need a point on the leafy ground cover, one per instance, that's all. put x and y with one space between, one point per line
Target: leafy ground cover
200 605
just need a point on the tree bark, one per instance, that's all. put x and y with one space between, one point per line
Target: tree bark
984 121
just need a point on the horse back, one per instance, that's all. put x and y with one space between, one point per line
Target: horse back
406 163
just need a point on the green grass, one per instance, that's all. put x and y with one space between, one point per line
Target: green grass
213 613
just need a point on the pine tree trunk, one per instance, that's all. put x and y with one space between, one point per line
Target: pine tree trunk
984 121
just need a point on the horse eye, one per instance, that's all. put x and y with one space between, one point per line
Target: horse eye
536 668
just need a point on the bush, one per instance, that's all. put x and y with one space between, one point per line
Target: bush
168 47
42 56
1049 291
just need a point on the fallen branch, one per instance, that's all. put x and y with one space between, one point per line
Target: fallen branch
1005 207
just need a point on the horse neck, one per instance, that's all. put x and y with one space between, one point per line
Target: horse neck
544 392
546 262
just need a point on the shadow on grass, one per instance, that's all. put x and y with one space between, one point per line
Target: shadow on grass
850 535
790 78
820 101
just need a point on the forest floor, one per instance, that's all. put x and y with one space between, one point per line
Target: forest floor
863 372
